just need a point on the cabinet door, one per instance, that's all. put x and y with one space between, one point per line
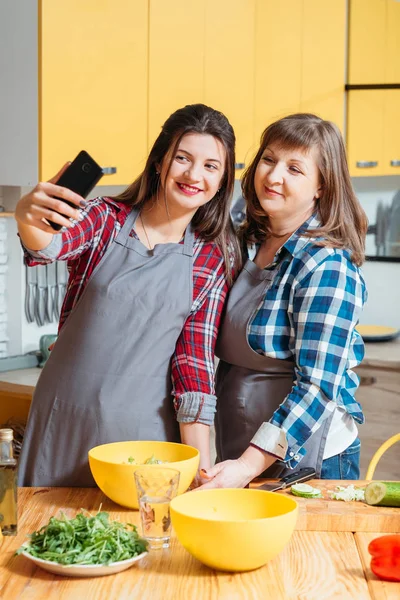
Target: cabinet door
93 84
364 132
391 139
393 42
176 59
229 68
367 41
278 39
323 70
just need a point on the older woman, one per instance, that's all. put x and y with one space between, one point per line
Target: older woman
288 343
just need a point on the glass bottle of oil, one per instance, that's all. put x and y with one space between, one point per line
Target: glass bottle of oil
8 484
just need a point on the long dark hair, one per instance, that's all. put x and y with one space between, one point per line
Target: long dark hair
343 220
211 221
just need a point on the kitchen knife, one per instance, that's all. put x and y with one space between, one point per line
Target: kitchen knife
297 477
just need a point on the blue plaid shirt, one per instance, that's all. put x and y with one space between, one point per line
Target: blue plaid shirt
309 314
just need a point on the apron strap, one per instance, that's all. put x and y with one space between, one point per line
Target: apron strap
124 237
188 241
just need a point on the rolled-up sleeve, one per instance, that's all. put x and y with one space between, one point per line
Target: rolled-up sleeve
47 255
195 407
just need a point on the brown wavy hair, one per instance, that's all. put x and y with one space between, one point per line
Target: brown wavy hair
343 221
212 221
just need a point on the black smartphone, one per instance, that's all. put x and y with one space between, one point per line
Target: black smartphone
81 176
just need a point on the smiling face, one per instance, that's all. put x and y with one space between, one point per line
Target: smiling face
195 174
287 184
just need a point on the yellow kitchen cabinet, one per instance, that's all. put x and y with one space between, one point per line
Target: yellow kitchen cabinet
373 132
374 42
278 51
365 124
93 84
300 59
176 59
203 52
229 68
323 59
367 41
391 132
75 78
392 60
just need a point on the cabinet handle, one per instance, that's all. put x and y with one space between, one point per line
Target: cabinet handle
395 163
109 170
365 164
240 165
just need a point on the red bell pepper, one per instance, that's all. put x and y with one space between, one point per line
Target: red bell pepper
385 562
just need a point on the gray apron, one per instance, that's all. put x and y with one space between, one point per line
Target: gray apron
251 386
108 376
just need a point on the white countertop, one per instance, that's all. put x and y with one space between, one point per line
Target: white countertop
21 376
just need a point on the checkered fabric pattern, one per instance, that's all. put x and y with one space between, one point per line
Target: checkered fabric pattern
309 313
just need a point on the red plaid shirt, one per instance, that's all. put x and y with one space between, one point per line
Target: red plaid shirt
84 245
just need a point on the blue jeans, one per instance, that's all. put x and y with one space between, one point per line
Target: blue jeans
345 465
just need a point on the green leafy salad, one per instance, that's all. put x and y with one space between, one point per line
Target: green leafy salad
149 461
85 540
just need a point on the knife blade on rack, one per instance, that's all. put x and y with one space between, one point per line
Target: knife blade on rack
297 477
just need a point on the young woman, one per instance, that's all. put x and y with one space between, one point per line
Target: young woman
149 273
288 343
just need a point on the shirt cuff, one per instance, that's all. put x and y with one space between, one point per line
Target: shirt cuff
51 252
196 407
272 439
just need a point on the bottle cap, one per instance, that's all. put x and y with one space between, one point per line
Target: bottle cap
6 435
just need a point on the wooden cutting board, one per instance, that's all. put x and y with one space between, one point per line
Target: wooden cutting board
324 514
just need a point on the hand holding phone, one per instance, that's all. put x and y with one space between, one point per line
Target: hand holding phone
80 177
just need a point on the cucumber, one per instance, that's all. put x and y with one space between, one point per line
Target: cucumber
383 493
305 491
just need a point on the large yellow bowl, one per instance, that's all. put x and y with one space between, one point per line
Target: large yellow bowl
234 529
117 480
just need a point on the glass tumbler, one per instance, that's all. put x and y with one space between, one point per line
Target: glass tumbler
156 486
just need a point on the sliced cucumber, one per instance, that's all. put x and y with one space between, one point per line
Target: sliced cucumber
305 491
383 493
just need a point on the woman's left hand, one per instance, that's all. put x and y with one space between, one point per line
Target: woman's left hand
227 474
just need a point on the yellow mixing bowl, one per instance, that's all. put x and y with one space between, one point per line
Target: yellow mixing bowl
234 529
116 479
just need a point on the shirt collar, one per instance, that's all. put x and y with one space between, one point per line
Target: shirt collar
297 241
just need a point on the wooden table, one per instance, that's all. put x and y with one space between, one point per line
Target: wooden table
318 565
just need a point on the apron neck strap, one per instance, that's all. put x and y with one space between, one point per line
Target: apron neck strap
188 240
126 228
131 220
